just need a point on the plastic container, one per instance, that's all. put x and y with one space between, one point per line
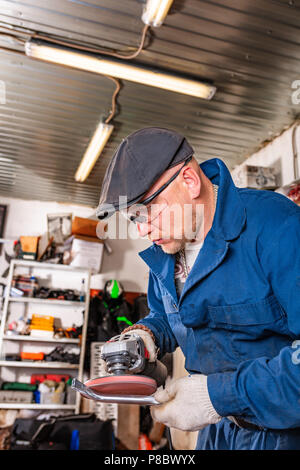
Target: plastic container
71 396
82 291
51 398
33 286
9 396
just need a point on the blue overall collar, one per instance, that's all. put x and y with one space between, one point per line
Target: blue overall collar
230 215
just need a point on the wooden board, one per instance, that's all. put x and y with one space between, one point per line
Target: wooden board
129 426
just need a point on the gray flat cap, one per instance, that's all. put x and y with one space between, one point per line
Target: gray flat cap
139 161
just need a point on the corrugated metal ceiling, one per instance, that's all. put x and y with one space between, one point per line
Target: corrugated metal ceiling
249 49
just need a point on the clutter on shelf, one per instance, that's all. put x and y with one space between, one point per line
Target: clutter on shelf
18 327
26 248
42 326
42 388
73 332
28 286
59 227
58 354
50 391
62 354
71 242
59 294
294 193
40 378
24 286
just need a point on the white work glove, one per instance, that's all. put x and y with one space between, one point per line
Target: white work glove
185 404
148 342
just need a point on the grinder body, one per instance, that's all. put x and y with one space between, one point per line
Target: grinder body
132 379
126 354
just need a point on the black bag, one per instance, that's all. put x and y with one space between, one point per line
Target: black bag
140 307
58 433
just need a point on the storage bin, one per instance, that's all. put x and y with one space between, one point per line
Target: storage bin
48 398
71 396
10 396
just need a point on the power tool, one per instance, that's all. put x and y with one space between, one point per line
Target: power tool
132 378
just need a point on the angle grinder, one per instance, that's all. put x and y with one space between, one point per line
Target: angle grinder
132 380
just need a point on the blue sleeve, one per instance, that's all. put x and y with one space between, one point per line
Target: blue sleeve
267 391
157 320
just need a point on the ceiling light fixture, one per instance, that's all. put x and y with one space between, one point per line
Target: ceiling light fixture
99 139
156 11
92 153
67 56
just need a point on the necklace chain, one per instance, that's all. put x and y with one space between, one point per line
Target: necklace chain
182 251
183 259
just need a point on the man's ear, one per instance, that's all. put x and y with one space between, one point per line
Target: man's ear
192 181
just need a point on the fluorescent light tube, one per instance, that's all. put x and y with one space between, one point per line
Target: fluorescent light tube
61 55
156 11
93 151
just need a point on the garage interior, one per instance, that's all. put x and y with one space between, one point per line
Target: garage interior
244 53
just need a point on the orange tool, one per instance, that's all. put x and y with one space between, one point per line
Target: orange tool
32 356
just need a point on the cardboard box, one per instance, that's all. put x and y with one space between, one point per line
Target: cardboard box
87 252
87 227
29 247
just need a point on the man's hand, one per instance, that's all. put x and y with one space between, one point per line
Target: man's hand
185 404
147 339
148 342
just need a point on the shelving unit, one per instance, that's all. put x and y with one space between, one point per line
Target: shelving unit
41 340
39 365
8 300
33 300
35 406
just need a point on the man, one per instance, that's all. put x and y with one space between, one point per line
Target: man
232 304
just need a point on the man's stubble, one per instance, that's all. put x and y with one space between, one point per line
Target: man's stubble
189 232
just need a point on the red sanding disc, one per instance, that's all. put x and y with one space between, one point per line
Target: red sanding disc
123 385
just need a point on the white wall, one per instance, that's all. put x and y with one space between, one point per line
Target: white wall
278 153
29 217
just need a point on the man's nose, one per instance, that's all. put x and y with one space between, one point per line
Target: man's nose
143 229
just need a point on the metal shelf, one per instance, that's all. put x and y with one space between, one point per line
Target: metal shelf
35 406
39 364
36 267
41 340
34 300
51 266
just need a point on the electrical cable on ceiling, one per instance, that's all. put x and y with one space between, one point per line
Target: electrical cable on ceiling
12 33
114 99
16 38
11 29
8 49
95 49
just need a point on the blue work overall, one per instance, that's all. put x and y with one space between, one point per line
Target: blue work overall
238 317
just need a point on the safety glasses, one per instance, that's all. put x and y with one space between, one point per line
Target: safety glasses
142 212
